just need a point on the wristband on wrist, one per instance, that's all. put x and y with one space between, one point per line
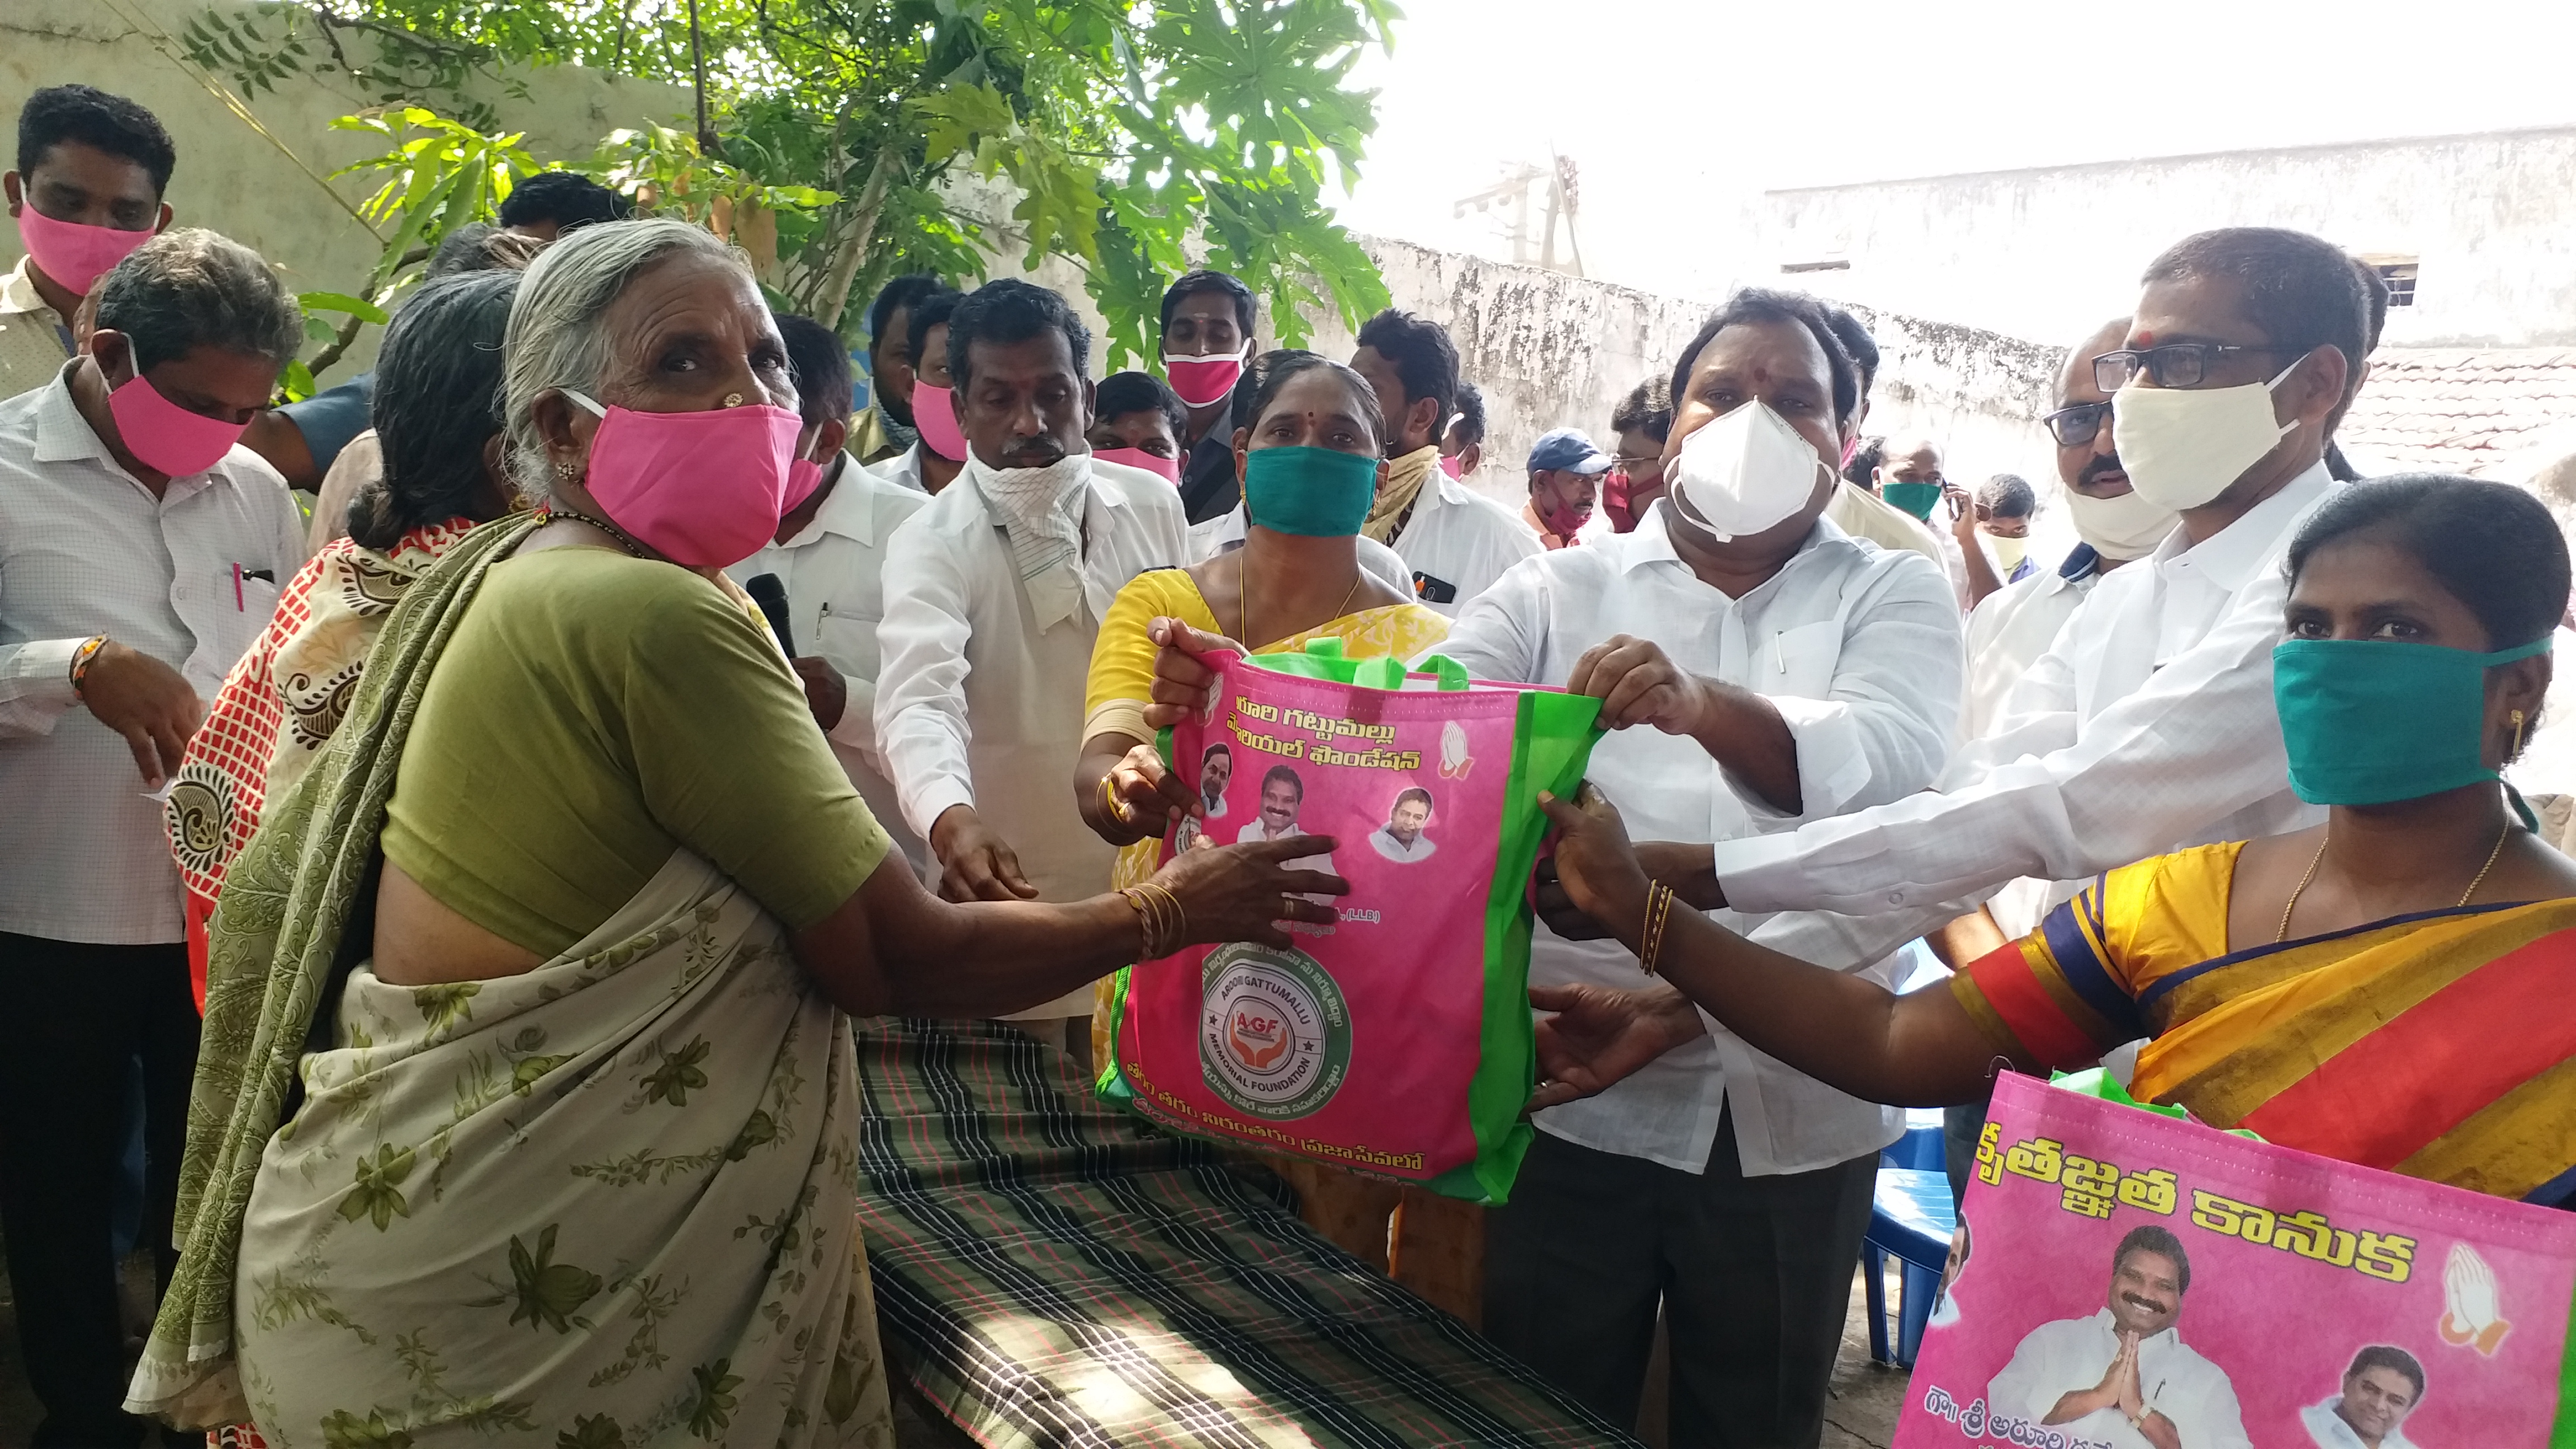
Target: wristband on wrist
82 658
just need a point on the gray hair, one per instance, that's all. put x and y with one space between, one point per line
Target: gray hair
192 288
555 338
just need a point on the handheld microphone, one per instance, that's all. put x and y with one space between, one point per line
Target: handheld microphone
771 596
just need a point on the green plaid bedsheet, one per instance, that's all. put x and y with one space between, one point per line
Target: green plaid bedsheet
1053 1273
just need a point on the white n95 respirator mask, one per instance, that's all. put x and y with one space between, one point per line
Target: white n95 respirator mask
1746 471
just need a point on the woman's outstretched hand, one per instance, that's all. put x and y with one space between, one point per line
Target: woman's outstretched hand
1151 799
1596 867
1183 683
1242 893
1599 1034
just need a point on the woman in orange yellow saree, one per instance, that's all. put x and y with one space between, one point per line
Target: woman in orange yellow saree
2387 989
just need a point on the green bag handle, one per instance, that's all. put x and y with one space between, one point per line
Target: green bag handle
1324 659
2095 1082
1388 672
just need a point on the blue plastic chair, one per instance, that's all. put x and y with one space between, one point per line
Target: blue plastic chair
1921 1146
1911 1218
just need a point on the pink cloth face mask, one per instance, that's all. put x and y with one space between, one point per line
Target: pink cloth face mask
804 475
1451 465
165 436
1168 469
1203 381
703 489
75 253
936 417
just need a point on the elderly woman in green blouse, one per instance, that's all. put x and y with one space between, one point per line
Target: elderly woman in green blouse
527 1101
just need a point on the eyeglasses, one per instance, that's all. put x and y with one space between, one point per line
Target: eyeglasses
2176 364
2074 427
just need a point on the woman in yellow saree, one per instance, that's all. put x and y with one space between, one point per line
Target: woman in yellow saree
1309 461
2388 989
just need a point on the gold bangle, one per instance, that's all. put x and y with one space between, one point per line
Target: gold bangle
1170 921
1135 900
1110 804
82 658
1659 910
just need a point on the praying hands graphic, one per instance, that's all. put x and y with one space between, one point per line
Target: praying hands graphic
2471 1317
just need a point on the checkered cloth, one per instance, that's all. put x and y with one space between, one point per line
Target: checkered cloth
1049 1272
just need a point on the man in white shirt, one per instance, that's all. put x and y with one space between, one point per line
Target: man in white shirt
829 554
1454 541
1910 480
1283 799
2148 725
2383 1386
994 593
1787 674
1216 771
92 167
927 467
1401 839
2010 629
141 550
2123 1376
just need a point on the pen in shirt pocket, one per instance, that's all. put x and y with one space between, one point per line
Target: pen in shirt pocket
240 604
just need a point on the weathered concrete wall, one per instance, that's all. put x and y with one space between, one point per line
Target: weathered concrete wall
1552 351
236 181
2048 252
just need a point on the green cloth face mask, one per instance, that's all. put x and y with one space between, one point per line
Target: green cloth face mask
1311 492
2368 721
1914 498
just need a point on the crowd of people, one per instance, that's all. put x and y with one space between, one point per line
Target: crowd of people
470 926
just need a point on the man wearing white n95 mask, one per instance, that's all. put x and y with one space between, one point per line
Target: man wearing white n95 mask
2149 724
1760 667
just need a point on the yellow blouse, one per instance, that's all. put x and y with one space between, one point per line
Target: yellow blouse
1122 661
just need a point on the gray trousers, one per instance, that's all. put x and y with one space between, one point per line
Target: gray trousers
1754 1275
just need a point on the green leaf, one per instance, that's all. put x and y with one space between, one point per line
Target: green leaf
549 1293
358 307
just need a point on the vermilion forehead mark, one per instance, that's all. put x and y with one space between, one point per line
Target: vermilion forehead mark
2146 339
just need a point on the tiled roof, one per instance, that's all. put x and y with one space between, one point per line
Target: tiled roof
2494 412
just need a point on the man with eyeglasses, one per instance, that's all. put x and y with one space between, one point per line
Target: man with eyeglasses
2148 724
2011 629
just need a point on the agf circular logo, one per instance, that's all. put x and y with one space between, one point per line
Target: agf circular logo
1274 1032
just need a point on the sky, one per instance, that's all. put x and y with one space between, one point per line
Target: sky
1676 112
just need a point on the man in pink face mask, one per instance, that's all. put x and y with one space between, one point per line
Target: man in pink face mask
86 192
938 453
1207 342
140 555
1140 422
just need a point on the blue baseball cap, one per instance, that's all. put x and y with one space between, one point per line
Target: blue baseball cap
1567 450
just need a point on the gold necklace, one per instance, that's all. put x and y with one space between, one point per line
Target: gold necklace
2317 859
1243 597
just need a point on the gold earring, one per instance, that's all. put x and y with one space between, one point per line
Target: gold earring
733 400
2516 717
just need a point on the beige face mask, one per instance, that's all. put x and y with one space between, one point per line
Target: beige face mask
2121 528
2182 447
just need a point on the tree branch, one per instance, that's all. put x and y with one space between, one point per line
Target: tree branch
339 347
854 247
